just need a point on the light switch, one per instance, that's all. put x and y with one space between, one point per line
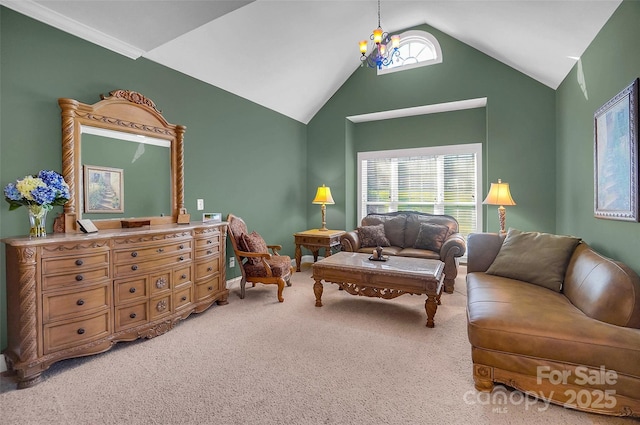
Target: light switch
200 204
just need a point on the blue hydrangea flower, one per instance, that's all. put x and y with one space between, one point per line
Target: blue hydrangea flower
11 192
43 195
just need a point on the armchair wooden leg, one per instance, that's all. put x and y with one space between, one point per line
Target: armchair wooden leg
243 282
280 289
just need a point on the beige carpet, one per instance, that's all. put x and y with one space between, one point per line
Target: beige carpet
255 361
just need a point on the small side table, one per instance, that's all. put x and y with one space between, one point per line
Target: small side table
314 240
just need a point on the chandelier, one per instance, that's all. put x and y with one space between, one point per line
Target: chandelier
381 39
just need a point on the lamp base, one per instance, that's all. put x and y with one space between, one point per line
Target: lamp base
323 209
502 216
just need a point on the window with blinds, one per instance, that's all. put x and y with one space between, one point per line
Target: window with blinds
436 180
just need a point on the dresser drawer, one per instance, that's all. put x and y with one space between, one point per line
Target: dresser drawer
207 252
72 303
181 276
138 254
141 268
68 334
130 290
182 297
160 306
160 282
75 264
208 288
212 239
207 268
131 315
74 279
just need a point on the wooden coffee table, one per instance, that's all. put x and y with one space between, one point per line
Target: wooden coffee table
358 275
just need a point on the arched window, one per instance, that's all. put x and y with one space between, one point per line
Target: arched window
417 48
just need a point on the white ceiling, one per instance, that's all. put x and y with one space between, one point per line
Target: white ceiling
292 55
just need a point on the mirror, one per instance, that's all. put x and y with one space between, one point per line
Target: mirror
122 160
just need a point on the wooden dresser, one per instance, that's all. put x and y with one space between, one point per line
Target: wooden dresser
71 295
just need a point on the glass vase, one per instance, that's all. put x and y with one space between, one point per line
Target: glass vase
37 221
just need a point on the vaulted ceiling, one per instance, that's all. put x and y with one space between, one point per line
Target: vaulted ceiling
292 55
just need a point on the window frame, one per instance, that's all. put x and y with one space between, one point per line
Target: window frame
407 37
469 148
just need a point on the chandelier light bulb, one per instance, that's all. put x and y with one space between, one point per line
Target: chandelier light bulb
377 35
363 47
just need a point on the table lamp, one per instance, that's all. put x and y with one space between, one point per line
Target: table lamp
499 194
323 197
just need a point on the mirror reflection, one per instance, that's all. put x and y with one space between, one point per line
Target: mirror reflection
124 175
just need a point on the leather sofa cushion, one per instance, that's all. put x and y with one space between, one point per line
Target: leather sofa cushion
602 288
538 258
516 317
413 226
393 227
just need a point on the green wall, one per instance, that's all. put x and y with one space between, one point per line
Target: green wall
239 157
519 144
608 65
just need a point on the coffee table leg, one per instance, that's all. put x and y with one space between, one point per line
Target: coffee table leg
317 289
431 305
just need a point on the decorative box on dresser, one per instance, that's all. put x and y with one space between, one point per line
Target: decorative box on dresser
71 295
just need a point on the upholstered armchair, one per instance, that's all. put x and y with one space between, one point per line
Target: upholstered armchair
256 263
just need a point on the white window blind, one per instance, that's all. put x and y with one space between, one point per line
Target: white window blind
441 180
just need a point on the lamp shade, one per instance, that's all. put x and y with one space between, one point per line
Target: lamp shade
499 194
323 196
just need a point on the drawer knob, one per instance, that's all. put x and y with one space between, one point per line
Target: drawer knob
79 262
184 276
79 277
209 268
134 267
133 315
184 298
80 302
209 241
80 331
160 249
210 288
162 305
209 252
134 254
181 246
181 258
132 290
161 283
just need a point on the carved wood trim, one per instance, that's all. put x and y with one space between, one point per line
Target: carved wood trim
121 110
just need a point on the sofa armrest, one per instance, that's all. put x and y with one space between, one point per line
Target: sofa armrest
350 241
483 248
453 246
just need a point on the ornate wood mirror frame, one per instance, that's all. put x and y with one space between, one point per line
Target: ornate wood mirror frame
122 111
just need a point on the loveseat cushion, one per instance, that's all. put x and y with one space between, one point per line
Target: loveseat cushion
372 236
393 227
431 236
512 316
534 257
415 220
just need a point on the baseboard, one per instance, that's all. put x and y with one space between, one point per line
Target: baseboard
233 282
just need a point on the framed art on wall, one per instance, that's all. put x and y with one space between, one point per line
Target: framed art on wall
103 189
616 157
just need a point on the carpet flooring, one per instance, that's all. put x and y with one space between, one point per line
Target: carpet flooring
355 360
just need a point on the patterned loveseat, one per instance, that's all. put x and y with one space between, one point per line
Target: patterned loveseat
411 234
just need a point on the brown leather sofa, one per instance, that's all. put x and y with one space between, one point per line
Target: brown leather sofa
578 347
403 231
